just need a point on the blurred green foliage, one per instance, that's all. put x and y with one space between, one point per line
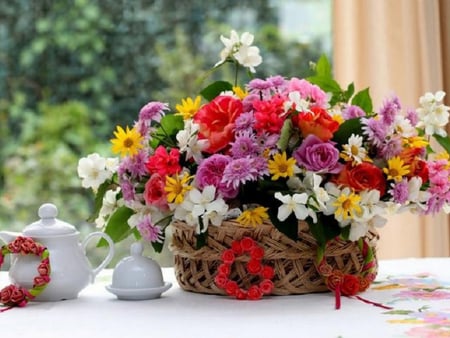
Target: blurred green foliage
70 70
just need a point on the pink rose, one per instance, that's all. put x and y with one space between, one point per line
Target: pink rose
154 192
41 280
44 267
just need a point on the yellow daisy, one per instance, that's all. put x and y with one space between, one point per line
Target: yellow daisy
188 107
127 141
240 93
253 217
281 166
347 205
415 142
176 188
396 169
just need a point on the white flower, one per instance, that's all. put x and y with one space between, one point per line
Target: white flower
241 50
295 203
202 205
295 100
189 143
93 171
354 149
359 229
433 114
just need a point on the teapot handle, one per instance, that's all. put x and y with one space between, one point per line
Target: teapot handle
108 257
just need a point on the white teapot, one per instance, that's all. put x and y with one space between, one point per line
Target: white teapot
70 269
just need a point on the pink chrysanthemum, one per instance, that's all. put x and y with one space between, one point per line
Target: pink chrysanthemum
149 231
239 171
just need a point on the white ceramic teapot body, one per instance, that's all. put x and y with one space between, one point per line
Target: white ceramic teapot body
71 271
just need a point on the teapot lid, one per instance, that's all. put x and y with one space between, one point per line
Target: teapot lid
48 225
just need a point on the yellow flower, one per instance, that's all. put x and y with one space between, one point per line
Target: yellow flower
281 166
240 93
396 169
176 187
415 142
253 217
126 141
347 205
188 107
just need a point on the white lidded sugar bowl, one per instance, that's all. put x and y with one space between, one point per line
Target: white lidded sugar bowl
71 270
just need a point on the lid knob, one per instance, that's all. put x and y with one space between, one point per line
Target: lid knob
136 249
48 210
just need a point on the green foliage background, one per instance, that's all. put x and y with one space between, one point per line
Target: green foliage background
70 70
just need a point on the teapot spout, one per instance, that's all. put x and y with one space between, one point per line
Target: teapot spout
8 236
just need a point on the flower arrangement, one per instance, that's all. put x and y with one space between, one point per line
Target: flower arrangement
278 149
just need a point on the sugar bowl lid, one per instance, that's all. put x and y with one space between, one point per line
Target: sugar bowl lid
48 225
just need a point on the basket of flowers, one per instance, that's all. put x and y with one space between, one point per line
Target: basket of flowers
276 186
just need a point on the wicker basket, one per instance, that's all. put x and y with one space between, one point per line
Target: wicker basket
293 261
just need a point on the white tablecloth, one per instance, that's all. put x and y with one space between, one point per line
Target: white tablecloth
417 289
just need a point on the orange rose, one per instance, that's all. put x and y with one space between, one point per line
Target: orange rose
317 122
363 176
350 285
216 120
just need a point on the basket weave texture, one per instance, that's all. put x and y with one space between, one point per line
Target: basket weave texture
293 261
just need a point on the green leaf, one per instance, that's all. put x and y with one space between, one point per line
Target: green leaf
117 227
215 88
443 141
289 227
98 202
325 229
363 100
346 129
323 67
327 84
349 92
201 240
157 246
166 133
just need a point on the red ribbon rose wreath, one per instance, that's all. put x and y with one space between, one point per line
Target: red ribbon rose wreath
16 295
254 266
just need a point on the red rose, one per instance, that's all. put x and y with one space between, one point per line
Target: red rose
335 279
224 269
267 272
350 285
236 247
363 176
216 120
364 283
257 253
317 122
266 286
228 256
254 266
247 243
155 193
254 293
269 114
419 168
221 280
231 287
240 294
44 268
40 280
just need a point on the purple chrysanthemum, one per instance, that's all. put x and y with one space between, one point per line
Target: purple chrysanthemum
210 172
411 115
245 145
389 110
128 191
351 112
149 231
278 83
245 121
374 130
239 171
390 148
135 166
400 192
152 111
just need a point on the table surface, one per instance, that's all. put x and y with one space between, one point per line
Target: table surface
418 290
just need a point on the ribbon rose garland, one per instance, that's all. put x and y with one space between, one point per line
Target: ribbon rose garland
16 295
254 266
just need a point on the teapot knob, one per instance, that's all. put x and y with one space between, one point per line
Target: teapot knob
48 211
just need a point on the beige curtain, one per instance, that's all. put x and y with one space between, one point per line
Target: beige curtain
401 47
